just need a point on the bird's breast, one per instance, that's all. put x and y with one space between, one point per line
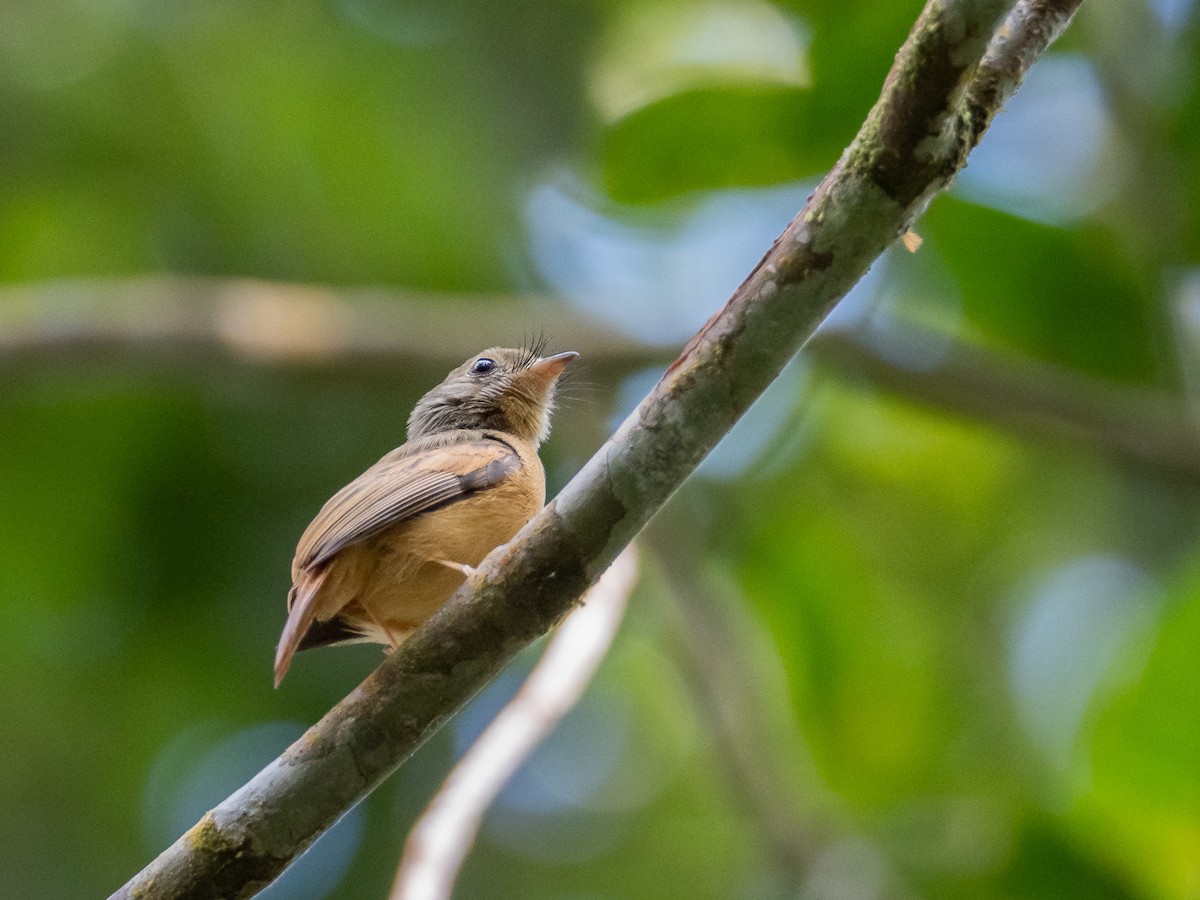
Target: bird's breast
466 531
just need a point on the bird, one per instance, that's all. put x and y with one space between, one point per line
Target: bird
388 549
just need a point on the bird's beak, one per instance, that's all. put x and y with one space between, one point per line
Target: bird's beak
547 369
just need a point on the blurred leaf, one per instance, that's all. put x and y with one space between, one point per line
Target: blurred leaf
736 134
711 138
1045 866
1062 296
1184 138
1145 755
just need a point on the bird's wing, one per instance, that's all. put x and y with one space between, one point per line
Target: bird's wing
395 489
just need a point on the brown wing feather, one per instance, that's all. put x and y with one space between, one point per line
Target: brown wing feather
400 486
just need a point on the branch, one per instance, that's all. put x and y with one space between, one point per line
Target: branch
439 841
266 320
1031 27
908 149
1148 428
287 323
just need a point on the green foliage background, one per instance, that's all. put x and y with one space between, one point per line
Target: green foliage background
963 657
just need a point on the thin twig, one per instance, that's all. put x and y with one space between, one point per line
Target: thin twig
443 835
906 151
1031 27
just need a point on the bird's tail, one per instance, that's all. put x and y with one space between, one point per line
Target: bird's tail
302 610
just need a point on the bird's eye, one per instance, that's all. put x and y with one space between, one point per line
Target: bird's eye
483 366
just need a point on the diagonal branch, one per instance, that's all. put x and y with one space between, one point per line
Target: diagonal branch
909 148
1031 27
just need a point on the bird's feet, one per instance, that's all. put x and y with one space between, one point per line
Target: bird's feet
468 571
392 644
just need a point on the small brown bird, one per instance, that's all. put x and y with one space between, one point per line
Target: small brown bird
390 547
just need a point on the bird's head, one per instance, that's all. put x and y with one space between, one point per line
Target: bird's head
502 389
